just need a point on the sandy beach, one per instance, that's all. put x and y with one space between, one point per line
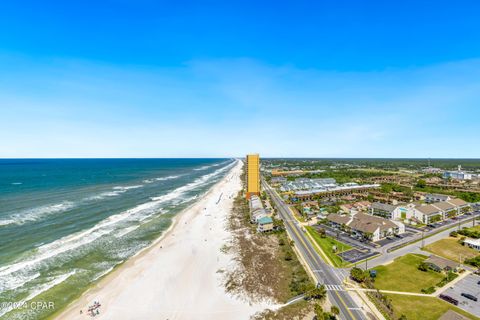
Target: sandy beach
180 275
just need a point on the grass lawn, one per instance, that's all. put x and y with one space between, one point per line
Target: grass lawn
476 228
423 308
449 248
403 275
327 244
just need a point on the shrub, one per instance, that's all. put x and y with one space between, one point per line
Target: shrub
358 274
454 234
428 290
288 256
423 267
473 261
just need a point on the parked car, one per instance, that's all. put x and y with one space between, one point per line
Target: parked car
469 296
449 299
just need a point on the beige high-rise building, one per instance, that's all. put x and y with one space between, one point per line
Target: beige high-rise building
253 174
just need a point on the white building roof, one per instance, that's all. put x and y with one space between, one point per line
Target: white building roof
475 242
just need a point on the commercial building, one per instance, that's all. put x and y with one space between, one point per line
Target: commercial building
253 175
365 226
307 189
458 175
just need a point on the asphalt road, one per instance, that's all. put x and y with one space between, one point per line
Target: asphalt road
325 274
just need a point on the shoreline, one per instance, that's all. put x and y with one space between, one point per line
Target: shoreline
131 275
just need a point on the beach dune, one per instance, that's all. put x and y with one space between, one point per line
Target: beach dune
180 275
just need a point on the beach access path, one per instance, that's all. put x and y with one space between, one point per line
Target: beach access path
179 276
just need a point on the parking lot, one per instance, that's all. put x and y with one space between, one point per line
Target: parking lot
467 285
355 255
391 240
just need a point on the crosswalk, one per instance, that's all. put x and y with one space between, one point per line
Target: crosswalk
334 287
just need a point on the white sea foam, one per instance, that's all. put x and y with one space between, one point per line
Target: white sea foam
6 222
167 178
190 186
122 188
210 166
116 191
101 274
12 283
16 183
34 214
40 289
126 231
104 227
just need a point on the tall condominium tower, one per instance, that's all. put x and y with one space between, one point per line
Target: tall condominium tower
253 175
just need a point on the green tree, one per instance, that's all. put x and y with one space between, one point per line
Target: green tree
421 184
318 310
319 293
403 317
358 274
423 267
322 233
334 310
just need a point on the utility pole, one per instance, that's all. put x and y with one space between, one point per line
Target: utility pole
423 243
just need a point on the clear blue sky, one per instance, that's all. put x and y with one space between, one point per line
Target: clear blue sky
223 78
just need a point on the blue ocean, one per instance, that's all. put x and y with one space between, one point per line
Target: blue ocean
65 223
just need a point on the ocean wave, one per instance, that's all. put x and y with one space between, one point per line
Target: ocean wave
105 227
55 281
116 191
167 178
122 188
34 214
211 166
12 283
190 186
16 183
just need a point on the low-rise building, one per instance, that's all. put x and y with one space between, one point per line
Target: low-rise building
457 175
256 209
440 210
435 197
426 213
265 224
441 264
366 226
462 206
400 211
472 243
449 210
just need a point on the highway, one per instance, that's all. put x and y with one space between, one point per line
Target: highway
325 274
